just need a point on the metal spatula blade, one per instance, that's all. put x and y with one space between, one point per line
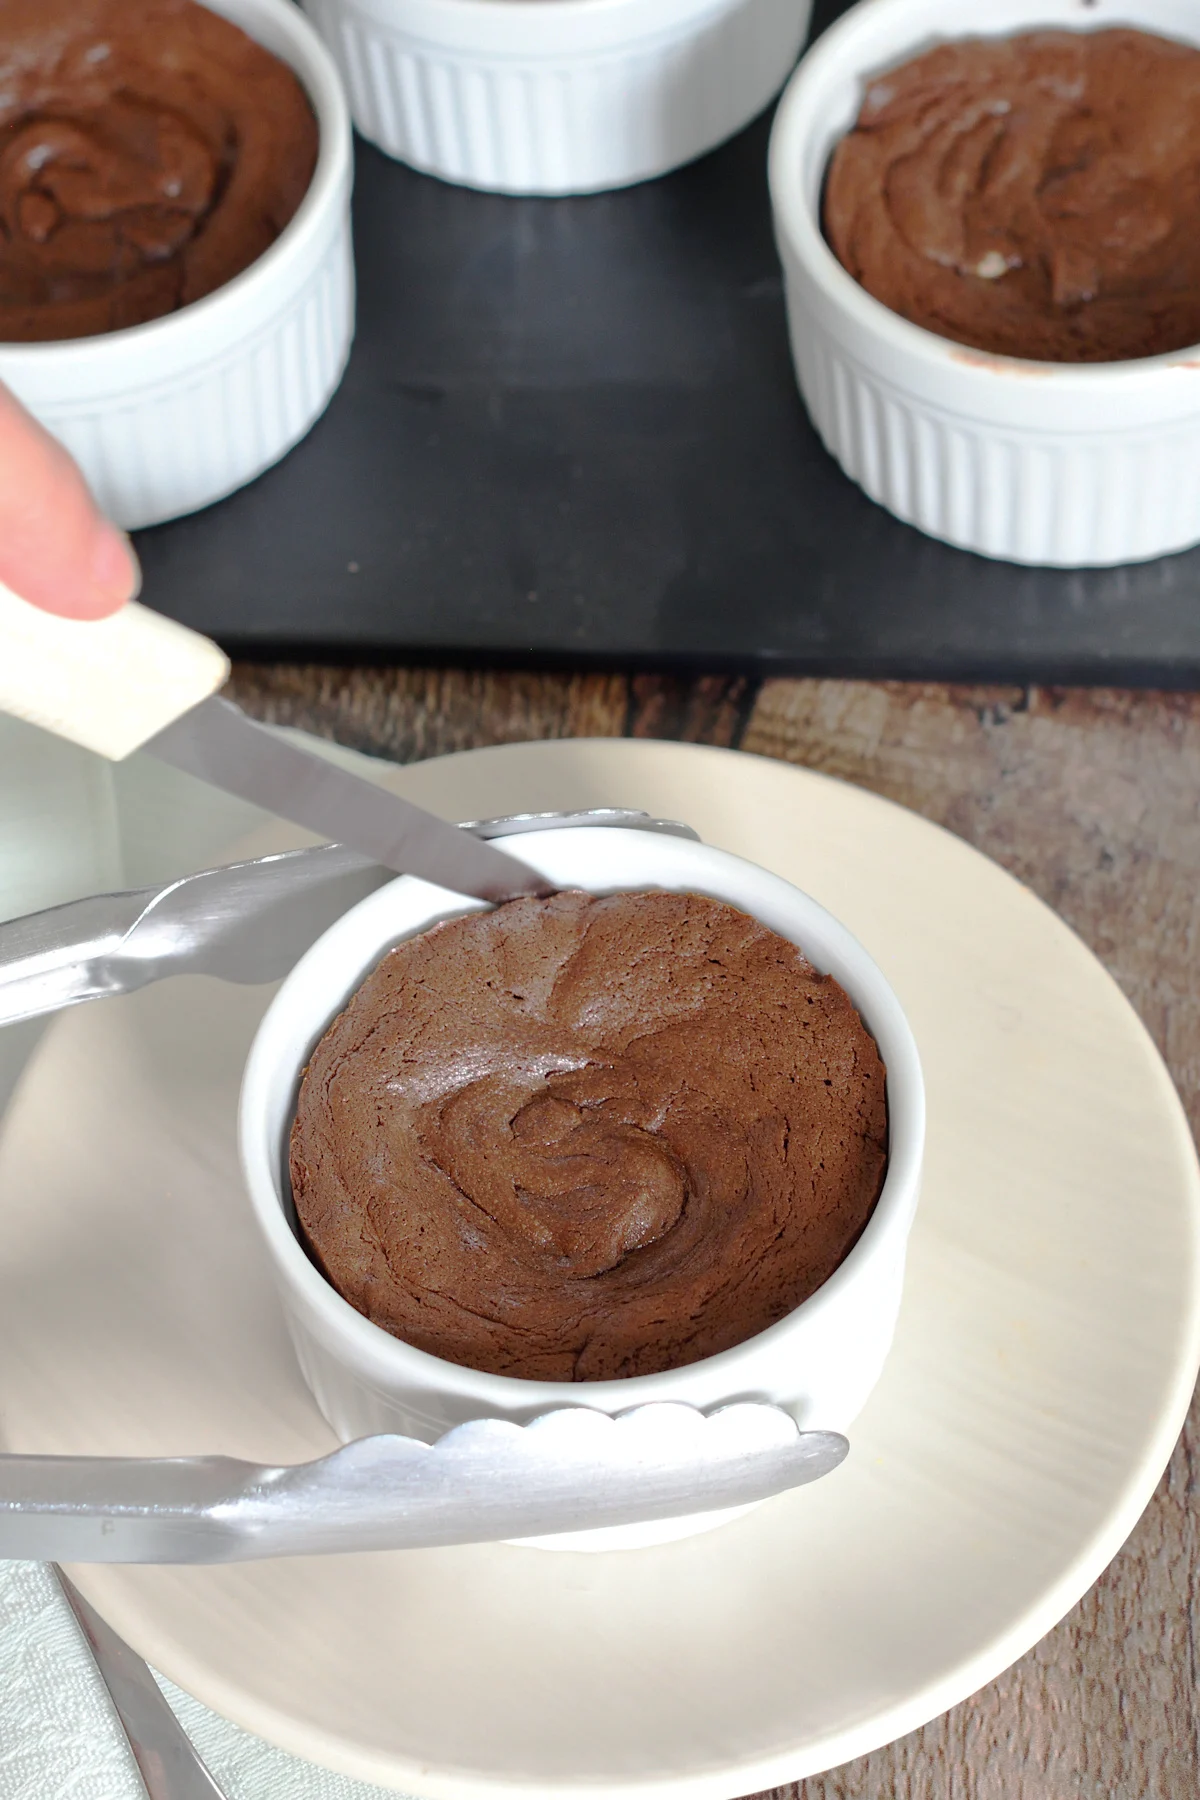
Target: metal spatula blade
218 743
137 680
570 1470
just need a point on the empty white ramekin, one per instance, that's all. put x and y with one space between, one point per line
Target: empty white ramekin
820 1363
166 417
558 96
1033 462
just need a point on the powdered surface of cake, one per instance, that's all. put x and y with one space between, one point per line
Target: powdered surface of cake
581 1138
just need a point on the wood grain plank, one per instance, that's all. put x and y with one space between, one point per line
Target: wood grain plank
408 714
711 709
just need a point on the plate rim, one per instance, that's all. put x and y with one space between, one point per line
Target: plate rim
847 1743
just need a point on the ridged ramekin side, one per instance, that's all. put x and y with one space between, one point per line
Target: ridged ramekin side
1033 462
165 451
1058 499
560 122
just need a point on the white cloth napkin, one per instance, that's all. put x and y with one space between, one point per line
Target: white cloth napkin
59 1737
70 825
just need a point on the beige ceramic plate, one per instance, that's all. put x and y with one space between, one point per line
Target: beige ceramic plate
1047 1349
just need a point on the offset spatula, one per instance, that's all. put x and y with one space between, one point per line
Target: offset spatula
139 681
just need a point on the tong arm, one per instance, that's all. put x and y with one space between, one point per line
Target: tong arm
570 1470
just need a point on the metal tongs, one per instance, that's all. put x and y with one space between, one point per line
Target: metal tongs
248 922
570 1470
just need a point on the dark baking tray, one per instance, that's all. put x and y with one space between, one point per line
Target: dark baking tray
569 432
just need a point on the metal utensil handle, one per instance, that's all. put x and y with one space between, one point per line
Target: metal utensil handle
246 922
490 1479
616 817
170 1765
59 957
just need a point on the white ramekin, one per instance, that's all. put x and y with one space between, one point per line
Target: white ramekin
558 96
820 1363
1033 462
168 416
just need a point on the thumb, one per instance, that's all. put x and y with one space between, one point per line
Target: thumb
56 549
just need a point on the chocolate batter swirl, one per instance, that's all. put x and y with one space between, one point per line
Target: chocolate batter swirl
148 154
1038 196
578 1138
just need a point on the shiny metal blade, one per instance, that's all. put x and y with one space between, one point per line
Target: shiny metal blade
570 1470
218 743
170 1765
248 922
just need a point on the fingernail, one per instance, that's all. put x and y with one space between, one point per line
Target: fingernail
115 567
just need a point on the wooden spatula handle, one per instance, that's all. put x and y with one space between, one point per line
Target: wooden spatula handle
108 684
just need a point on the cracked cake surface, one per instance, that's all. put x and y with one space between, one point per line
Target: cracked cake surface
585 1138
1036 195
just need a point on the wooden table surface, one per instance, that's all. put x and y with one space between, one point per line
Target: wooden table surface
1092 799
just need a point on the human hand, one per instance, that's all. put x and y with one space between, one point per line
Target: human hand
57 550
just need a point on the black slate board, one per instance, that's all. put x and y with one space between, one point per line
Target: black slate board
569 432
